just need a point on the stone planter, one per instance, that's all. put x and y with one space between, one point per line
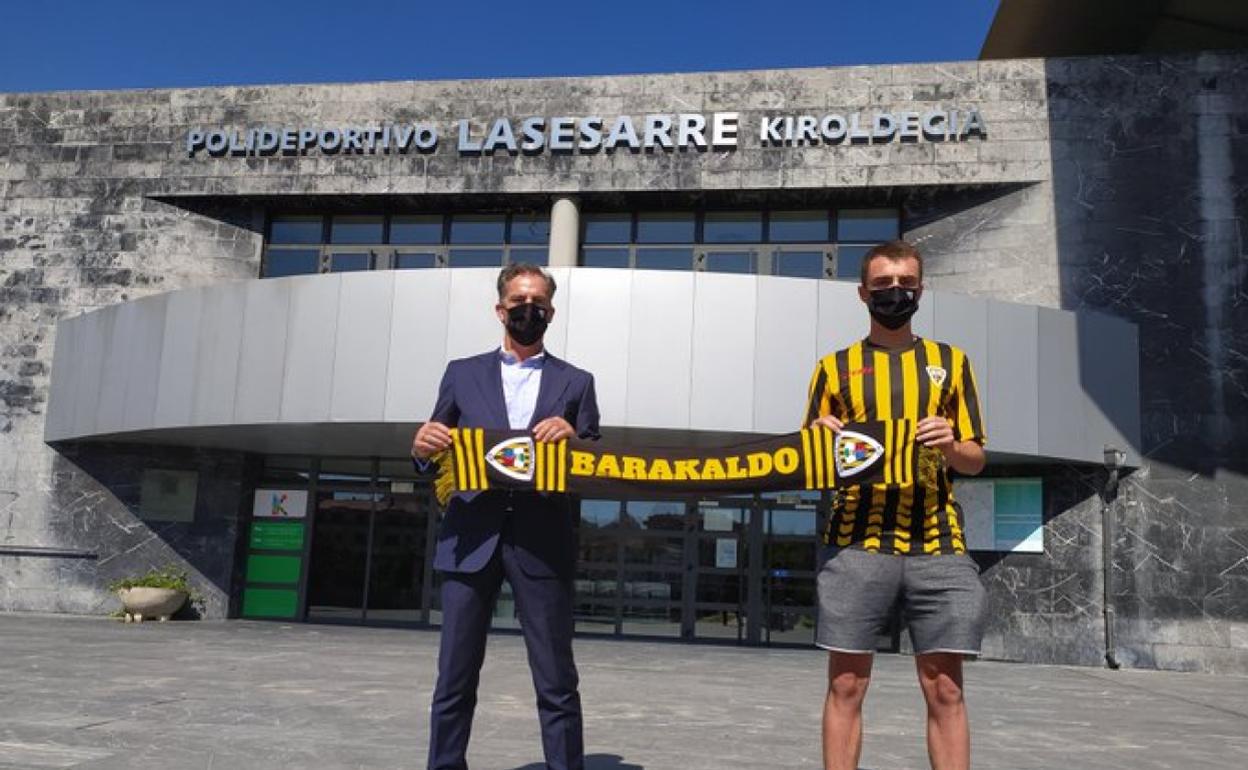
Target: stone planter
141 602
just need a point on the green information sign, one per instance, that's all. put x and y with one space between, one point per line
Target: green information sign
270 602
273 569
277 535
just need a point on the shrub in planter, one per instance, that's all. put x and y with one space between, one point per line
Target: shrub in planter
157 594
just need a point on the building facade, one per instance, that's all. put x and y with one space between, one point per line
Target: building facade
223 312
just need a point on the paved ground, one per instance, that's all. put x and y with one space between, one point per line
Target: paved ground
91 693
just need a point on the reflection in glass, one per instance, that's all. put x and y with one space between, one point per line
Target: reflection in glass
608 228
729 262
530 228
595 547
475 258
600 514
666 228
415 260
720 589
732 227
394 589
595 601
655 514
295 230
600 257
339 550
652 621
478 228
654 552
664 259
849 261
280 262
867 225
350 261
798 264
531 256
799 226
416 229
651 585
791 523
355 230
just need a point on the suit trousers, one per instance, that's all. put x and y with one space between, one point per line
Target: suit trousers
544 606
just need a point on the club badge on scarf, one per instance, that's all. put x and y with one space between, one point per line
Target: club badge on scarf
813 458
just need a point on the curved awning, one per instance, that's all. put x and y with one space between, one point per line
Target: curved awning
348 364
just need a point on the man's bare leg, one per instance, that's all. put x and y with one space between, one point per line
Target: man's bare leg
948 729
849 674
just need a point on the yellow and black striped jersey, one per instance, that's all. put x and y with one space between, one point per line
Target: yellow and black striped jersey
868 382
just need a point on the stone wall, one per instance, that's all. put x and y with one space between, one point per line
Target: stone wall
1150 169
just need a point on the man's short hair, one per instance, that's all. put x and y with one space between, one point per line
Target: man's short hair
894 251
523 268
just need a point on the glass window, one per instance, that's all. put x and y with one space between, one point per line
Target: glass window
600 514
355 230
798 264
530 228
665 228
608 228
350 261
295 230
414 260
655 514
729 262
867 225
792 522
475 258
664 259
416 229
732 227
799 226
849 261
532 256
282 262
478 228
600 257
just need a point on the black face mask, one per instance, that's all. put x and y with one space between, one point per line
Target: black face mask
527 323
893 306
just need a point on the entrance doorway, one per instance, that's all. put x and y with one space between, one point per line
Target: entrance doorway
368 555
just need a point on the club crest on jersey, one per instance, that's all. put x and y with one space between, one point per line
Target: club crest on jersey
855 453
937 375
513 458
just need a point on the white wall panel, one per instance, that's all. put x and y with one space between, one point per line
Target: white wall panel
722 371
362 348
660 351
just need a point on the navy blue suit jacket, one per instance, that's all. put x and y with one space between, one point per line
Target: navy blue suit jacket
471 395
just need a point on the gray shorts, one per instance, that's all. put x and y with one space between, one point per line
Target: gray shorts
941 599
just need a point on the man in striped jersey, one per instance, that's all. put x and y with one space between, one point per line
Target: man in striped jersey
891 545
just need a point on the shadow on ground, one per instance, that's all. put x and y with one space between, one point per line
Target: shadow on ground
593 762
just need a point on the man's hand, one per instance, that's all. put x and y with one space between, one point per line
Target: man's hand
432 438
935 432
963 456
829 422
553 429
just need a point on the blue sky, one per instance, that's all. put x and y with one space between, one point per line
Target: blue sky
88 44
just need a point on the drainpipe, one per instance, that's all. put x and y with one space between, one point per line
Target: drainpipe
1114 459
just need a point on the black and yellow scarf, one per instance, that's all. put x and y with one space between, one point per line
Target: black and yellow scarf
813 458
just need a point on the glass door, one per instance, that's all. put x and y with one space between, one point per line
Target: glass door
397 558
719 563
340 537
790 560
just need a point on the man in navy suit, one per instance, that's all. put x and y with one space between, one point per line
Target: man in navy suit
525 537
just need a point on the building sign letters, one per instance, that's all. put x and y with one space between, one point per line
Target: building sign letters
720 131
